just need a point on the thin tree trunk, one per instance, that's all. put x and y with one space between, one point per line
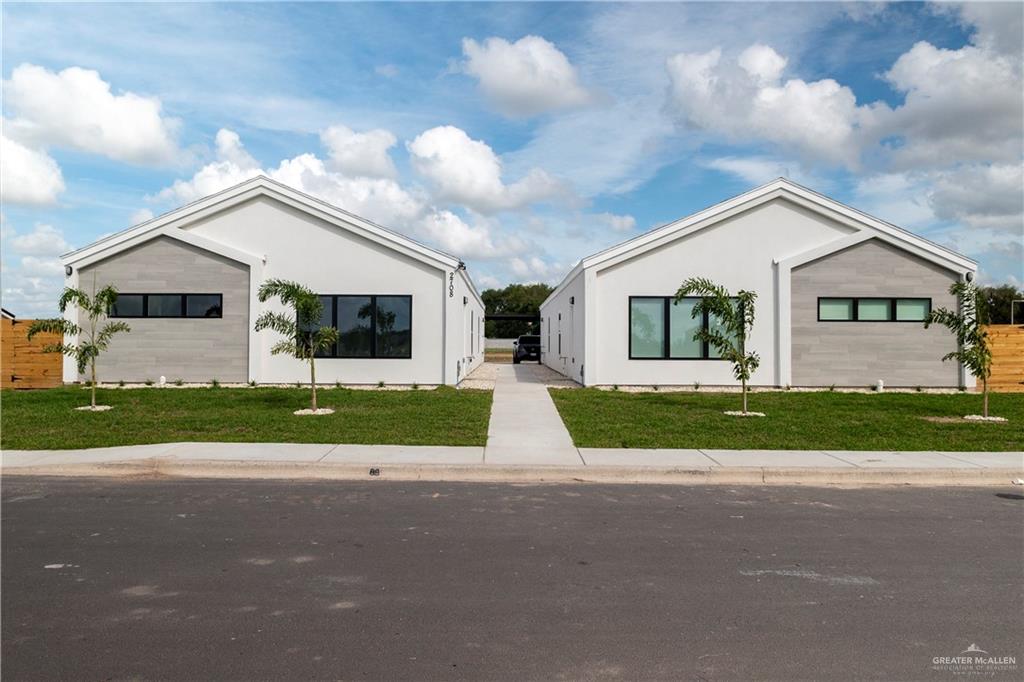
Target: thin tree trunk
312 380
92 384
744 396
984 396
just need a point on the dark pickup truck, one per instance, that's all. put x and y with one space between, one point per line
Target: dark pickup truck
526 348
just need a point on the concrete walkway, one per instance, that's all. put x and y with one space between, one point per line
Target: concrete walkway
525 427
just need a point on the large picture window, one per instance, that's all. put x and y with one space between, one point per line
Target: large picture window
873 309
662 330
369 326
168 305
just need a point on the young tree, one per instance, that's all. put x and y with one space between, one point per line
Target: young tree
968 325
735 320
92 339
304 336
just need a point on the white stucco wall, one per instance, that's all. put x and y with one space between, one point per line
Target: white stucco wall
739 253
559 315
465 326
332 260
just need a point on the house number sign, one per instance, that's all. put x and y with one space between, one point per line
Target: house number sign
451 284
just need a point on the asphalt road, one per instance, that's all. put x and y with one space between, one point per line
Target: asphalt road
325 580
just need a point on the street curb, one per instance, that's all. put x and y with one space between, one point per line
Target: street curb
240 469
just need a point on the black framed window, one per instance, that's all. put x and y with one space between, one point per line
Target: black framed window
168 305
128 305
873 309
369 326
203 305
660 329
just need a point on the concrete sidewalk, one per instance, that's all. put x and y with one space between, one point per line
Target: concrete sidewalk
399 462
525 427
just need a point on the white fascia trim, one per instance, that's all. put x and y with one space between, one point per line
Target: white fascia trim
564 283
780 188
472 287
195 240
941 254
804 257
263 186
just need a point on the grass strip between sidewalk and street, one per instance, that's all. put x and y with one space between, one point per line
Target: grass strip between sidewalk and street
795 421
46 419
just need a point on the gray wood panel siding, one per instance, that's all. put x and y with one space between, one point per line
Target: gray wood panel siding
192 349
860 353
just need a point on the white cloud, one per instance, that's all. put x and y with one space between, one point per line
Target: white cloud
230 148
32 273
486 281
453 235
232 166
30 296
467 171
987 199
76 109
998 26
28 176
378 199
618 223
140 216
746 100
757 170
360 154
535 269
524 78
982 197
960 105
43 240
763 63
386 70
35 266
899 198
381 200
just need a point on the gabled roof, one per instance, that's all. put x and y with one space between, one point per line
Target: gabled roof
168 223
778 188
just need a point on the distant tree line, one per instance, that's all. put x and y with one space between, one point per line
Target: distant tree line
999 299
513 299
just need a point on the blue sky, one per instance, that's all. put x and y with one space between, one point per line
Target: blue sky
519 136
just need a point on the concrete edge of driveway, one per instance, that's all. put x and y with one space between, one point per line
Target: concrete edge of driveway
244 469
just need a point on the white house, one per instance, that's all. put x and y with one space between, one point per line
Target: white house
188 282
841 298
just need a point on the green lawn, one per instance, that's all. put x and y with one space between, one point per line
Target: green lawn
46 420
795 421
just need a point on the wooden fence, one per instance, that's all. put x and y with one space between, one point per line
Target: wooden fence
23 364
1007 358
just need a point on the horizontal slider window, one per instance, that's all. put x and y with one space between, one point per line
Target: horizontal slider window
873 309
168 305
